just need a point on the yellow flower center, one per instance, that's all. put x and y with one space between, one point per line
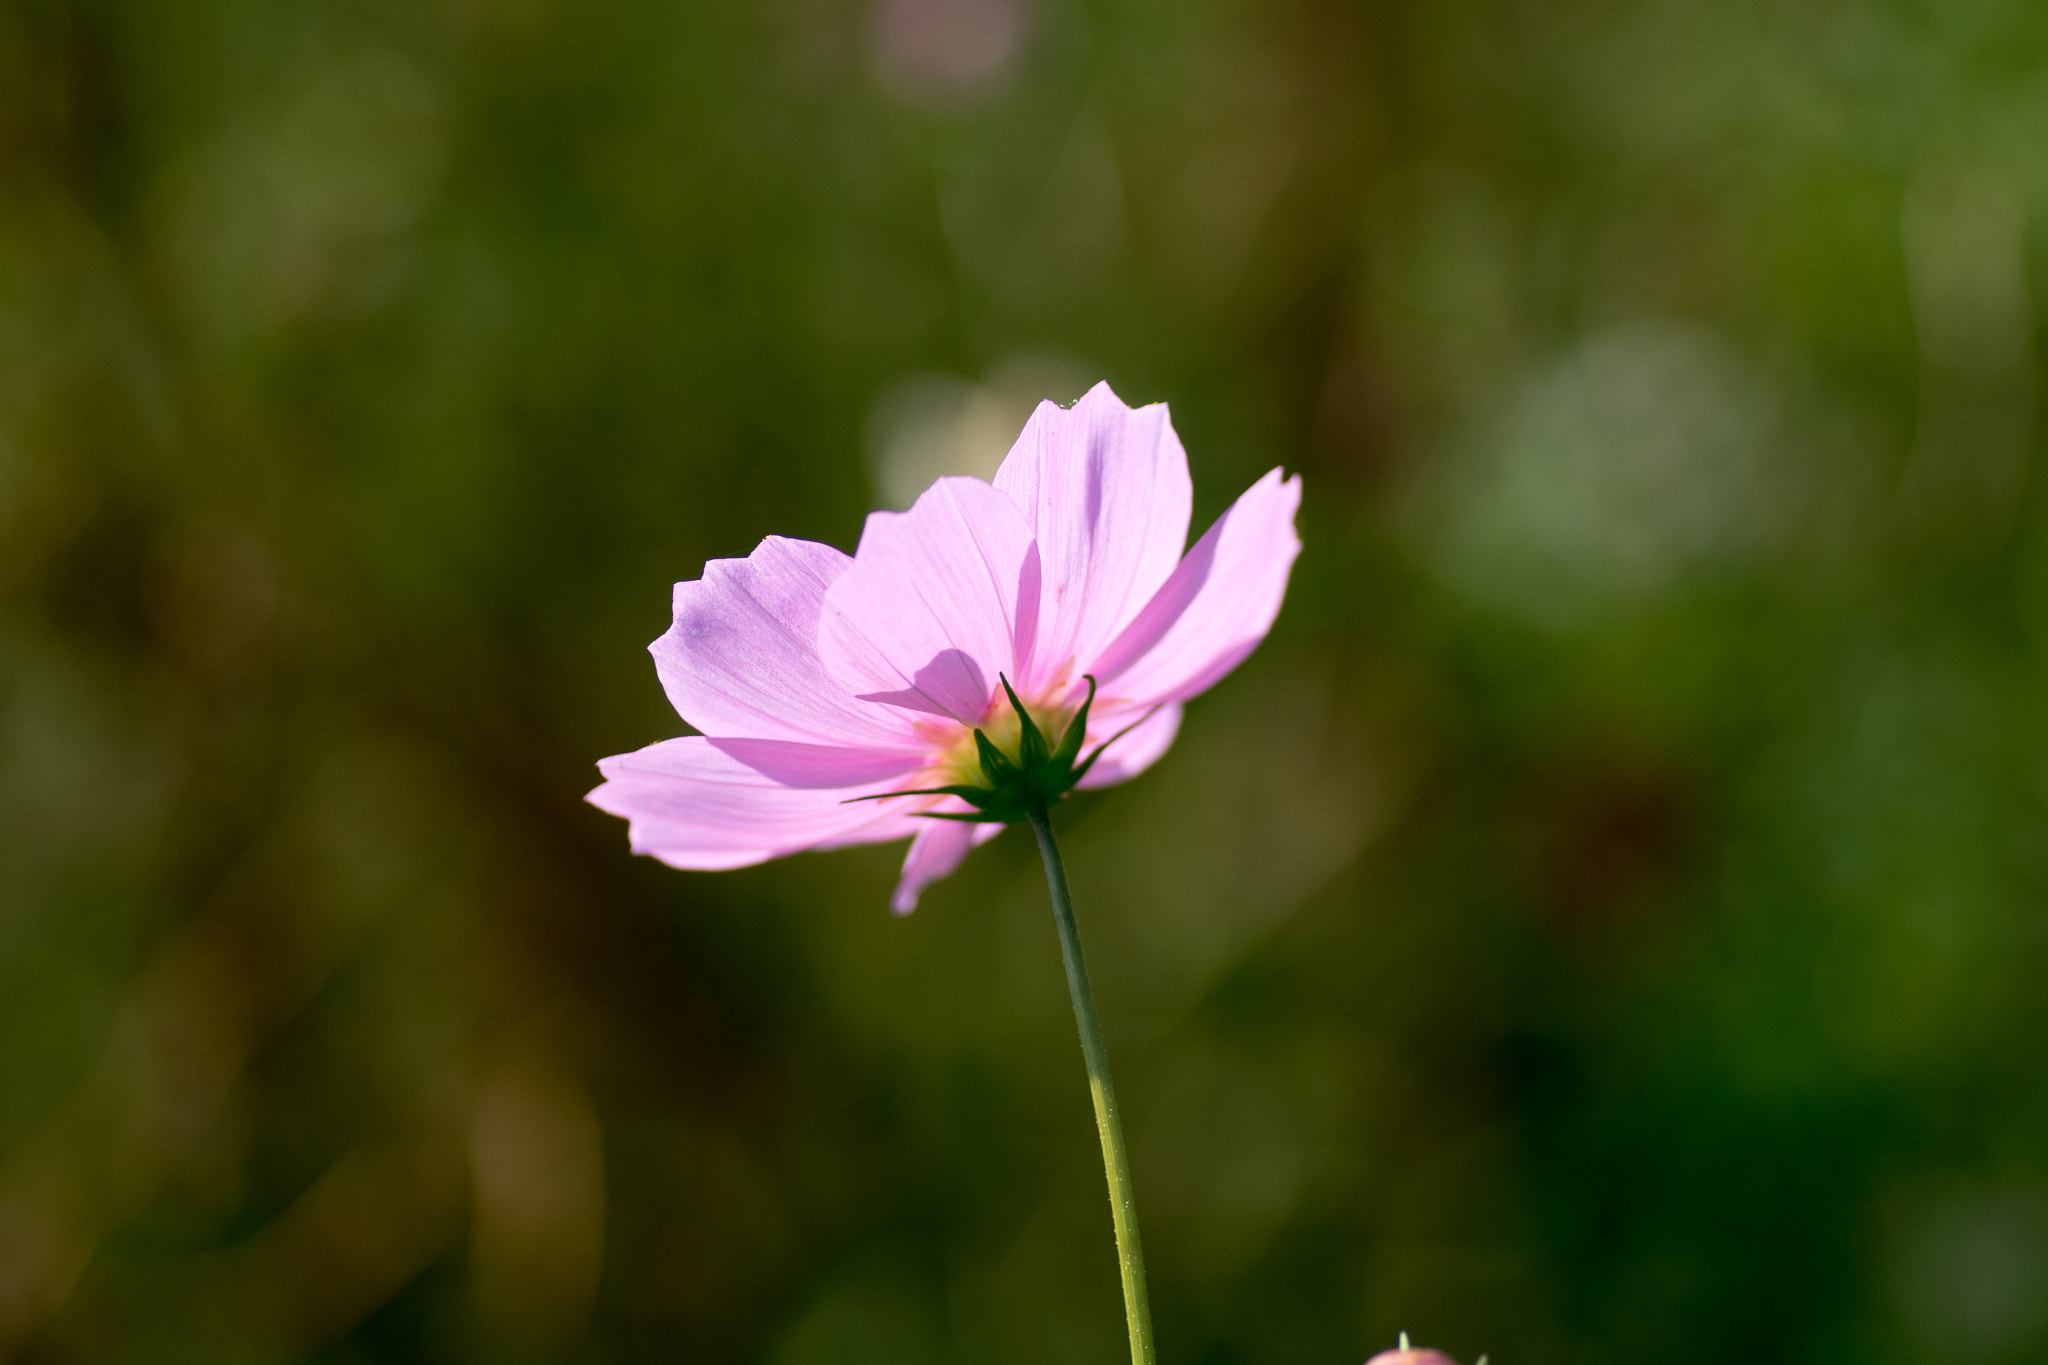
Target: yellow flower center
958 758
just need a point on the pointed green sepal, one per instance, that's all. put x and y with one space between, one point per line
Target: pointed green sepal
1032 751
995 764
1089 762
1020 788
1077 731
974 796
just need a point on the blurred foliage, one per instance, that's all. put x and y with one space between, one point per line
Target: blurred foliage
1595 928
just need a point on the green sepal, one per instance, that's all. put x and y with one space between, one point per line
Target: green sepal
1032 751
972 795
1077 731
1089 762
1016 789
995 764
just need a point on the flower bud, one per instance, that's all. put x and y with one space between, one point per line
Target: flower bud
1404 1354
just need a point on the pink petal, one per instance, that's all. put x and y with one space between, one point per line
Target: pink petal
790 764
1215 608
1105 490
1145 744
741 659
939 601
1419 1355
693 806
939 848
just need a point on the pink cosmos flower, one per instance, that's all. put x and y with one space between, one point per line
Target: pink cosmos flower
818 679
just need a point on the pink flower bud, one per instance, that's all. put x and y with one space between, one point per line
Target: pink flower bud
1404 1354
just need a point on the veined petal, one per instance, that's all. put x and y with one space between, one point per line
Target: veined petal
693 806
939 601
1217 605
741 659
1105 490
1136 751
793 764
939 848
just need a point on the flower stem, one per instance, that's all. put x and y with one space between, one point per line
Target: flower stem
1123 1209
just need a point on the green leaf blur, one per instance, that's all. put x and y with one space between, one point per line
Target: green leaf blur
1594 928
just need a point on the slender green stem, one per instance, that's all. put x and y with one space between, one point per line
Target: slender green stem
1123 1210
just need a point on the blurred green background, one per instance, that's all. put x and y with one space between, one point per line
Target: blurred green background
1595 928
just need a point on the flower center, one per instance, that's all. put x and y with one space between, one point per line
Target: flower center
958 759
